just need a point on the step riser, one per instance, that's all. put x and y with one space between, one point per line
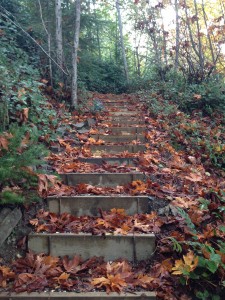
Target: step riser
77 296
120 109
133 248
114 149
123 118
111 161
126 130
120 139
125 122
104 179
90 205
123 114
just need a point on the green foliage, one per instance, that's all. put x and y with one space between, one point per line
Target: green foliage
8 197
21 153
207 96
176 245
101 76
208 257
20 86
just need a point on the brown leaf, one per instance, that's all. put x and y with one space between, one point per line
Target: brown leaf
72 265
4 143
5 275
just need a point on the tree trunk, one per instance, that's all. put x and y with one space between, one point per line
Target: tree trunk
97 33
122 41
177 36
201 57
74 54
208 34
59 42
49 41
190 30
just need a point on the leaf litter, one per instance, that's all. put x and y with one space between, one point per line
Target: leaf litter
184 177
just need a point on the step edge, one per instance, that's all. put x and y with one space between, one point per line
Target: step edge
66 234
74 295
98 196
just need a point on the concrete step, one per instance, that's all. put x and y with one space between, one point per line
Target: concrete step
124 113
121 109
126 130
90 205
109 160
101 179
122 117
77 296
125 121
133 247
114 149
120 138
116 102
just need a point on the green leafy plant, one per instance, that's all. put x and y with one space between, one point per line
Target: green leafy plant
203 263
20 152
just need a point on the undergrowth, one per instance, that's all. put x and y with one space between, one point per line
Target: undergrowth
199 135
20 153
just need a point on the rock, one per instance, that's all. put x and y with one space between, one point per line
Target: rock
79 125
91 122
168 210
83 130
155 204
9 222
3 213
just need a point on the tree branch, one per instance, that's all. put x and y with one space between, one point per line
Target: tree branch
27 34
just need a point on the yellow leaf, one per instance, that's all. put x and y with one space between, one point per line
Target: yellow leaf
187 265
178 268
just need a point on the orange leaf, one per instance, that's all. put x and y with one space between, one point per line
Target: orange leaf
4 143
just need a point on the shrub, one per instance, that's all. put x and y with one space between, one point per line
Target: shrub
101 76
19 154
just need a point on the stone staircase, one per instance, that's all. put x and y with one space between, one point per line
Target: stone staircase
126 126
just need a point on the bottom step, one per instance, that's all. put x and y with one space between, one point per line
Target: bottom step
75 296
134 247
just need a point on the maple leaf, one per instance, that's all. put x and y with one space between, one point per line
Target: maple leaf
194 177
5 275
185 266
144 281
30 283
123 230
50 260
138 186
112 283
72 266
4 143
24 115
43 184
63 276
142 227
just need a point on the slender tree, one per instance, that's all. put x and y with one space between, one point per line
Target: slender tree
74 100
49 41
208 34
177 35
122 41
59 41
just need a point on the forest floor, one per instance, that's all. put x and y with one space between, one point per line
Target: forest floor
186 205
